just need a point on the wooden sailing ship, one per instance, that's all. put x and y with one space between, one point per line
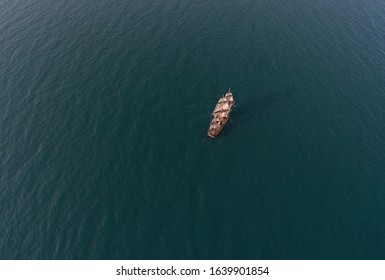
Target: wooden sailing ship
221 114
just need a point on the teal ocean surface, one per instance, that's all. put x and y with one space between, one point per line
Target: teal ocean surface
104 109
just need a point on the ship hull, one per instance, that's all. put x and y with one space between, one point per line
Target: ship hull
213 135
220 115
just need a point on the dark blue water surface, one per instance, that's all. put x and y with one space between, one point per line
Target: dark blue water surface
104 108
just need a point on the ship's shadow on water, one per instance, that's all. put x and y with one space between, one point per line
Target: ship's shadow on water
247 110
